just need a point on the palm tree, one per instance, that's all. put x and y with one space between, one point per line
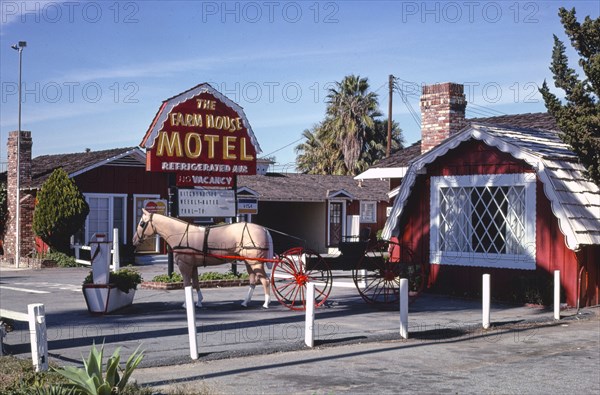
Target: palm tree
350 111
350 138
376 143
319 154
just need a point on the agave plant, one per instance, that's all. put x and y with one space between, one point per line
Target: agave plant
91 379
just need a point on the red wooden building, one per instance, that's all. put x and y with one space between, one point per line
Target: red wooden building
114 182
490 198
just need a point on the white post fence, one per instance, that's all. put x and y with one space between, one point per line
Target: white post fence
404 308
36 318
557 294
486 297
309 323
116 261
191 320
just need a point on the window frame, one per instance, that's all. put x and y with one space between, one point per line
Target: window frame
111 201
526 260
363 218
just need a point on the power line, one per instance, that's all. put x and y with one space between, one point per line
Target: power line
409 106
285 146
491 111
378 89
478 109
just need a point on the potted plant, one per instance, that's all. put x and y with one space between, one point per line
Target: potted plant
118 293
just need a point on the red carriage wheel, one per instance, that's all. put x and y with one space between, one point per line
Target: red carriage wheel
378 273
293 270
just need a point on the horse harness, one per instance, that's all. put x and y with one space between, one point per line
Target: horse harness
207 251
144 224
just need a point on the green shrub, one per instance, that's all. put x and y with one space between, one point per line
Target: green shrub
60 211
222 276
17 377
125 279
61 259
165 278
177 278
92 380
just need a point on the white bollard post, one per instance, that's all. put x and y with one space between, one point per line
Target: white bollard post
38 336
363 279
191 319
557 294
486 301
309 325
116 260
404 308
100 257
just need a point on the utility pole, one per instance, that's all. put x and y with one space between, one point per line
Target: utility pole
389 131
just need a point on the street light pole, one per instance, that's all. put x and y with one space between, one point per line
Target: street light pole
19 47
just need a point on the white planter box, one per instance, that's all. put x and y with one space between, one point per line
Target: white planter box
106 298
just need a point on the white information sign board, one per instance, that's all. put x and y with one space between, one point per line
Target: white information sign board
206 203
247 205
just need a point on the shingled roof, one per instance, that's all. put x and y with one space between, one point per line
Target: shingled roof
575 201
79 162
538 120
312 188
402 158
273 186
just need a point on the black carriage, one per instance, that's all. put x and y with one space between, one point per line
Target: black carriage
376 267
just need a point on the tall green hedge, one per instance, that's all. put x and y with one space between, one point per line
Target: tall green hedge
60 211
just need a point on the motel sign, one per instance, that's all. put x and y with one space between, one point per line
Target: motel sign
203 137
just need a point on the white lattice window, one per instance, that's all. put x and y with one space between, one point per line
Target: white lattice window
483 220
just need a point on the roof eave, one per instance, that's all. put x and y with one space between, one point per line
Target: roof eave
137 152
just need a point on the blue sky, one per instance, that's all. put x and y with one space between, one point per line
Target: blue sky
95 73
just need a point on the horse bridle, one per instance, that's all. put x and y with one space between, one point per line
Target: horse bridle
144 224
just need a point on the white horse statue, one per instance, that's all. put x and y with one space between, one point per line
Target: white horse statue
195 246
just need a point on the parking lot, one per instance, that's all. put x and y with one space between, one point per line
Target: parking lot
357 346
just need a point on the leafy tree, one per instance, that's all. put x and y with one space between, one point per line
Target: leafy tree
350 138
60 212
579 118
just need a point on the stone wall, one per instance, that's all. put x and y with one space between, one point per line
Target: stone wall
27 196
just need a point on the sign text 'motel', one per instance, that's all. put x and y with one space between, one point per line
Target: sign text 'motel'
203 137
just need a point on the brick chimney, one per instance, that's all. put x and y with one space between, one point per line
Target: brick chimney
27 199
442 113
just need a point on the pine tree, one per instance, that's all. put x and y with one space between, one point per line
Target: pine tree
60 211
578 118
